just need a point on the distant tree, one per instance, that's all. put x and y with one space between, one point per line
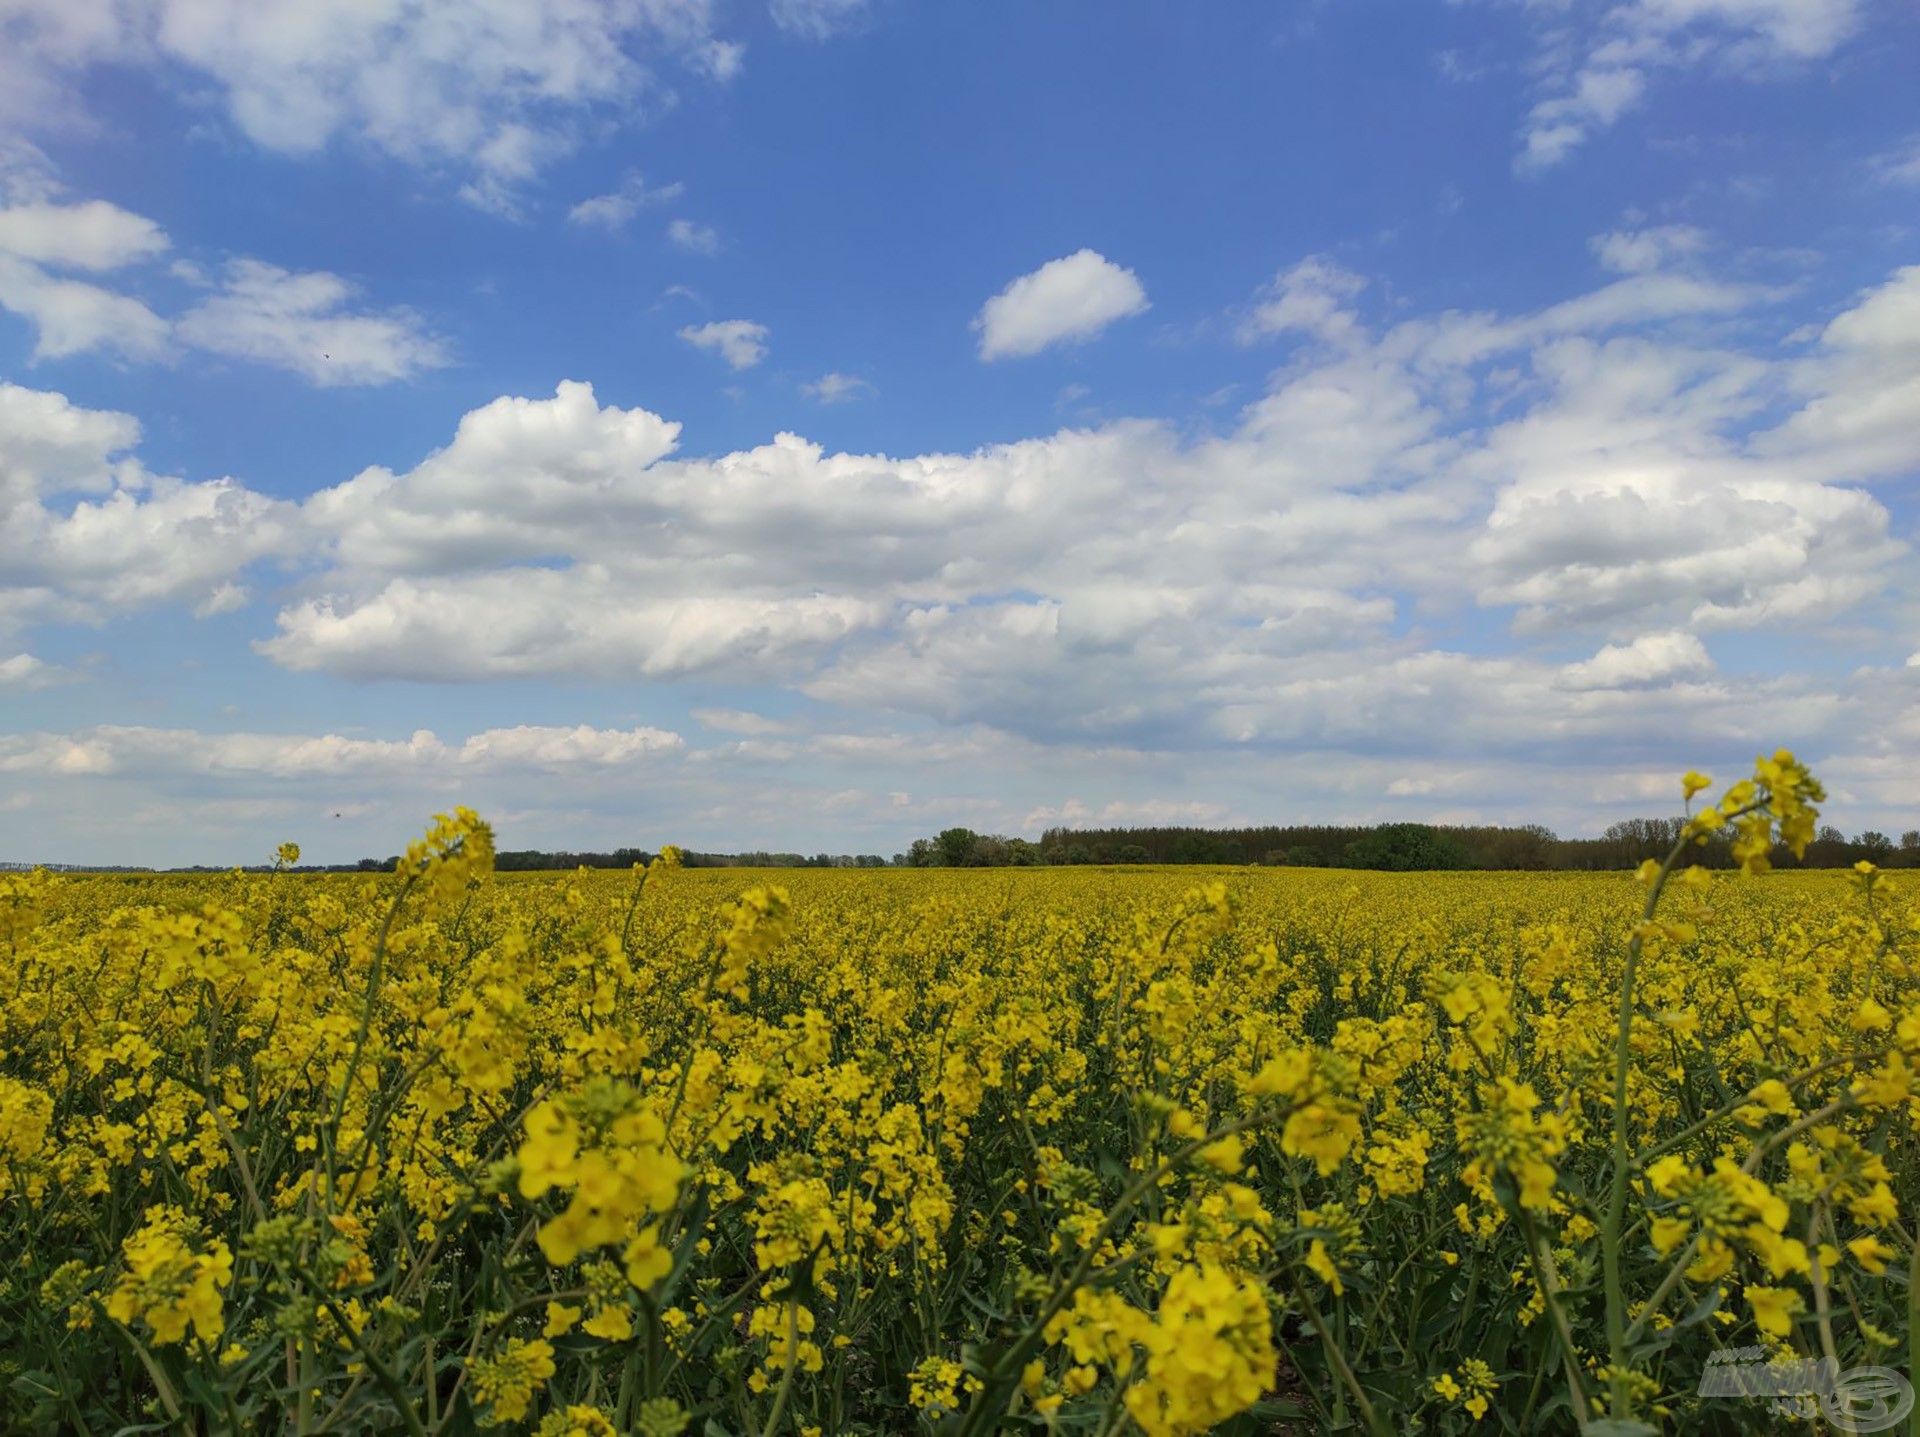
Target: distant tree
1874 846
1133 853
1829 849
1634 839
989 851
1406 848
956 846
1530 846
1196 846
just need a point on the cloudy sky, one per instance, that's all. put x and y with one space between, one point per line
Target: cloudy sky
808 423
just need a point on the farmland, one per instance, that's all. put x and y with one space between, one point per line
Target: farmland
1087 1150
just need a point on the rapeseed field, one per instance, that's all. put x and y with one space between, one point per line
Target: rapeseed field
1087 1151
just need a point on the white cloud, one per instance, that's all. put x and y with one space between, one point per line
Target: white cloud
740 721
740 342
1648 660
1599 64
1311 297
49 445
497 89
1068 299
1899 165
1595 472
1861 390
258 312
837 388
145 540
613 210
72 316
302 322
1128 813
1642 250
40 234
816 19
93 235
694 238
112 750
24 672
1603 470
535 627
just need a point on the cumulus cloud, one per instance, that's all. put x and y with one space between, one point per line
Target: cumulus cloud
740 342
72 316
533 627
1068 299
50 445
144 540
93 235
1648 660
1592 472
305 323
41 234
497 90
1125 584
1861 390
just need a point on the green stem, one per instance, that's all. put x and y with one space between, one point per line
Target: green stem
1622 1403
786 1378
1913 1328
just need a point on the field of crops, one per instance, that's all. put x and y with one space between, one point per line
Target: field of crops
964 1151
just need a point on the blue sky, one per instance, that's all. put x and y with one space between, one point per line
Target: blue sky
812 423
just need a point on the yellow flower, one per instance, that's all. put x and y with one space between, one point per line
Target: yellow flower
508 1381
1870 1017
170 1282
1774 1097
647 1261
1668 1233
1322 1265
1871 1253
1773 1308
1666 1174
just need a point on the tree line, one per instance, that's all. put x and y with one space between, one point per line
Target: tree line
1391 847
1403 847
